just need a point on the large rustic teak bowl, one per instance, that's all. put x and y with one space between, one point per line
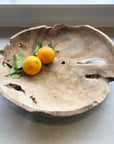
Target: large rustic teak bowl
72 84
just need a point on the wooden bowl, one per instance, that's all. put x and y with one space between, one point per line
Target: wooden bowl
72 84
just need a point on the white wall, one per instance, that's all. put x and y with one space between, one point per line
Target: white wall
56 1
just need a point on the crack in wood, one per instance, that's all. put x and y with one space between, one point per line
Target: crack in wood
97 76
33 99
5 63
16 87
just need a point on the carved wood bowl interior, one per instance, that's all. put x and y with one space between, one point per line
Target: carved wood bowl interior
73 83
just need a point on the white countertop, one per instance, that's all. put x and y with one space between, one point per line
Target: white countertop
18 126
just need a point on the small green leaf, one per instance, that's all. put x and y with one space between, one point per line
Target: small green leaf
49 45
16 70
13 69
39 45
17 61
16 76
22 59
15 73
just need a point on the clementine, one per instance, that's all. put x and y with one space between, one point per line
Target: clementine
46 55
32 65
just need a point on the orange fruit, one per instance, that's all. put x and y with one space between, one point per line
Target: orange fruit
46 55
32 65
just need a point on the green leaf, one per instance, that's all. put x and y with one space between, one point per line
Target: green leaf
49 45
16 76
17 61
39 45
22 59
13 69
15 73
16 70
